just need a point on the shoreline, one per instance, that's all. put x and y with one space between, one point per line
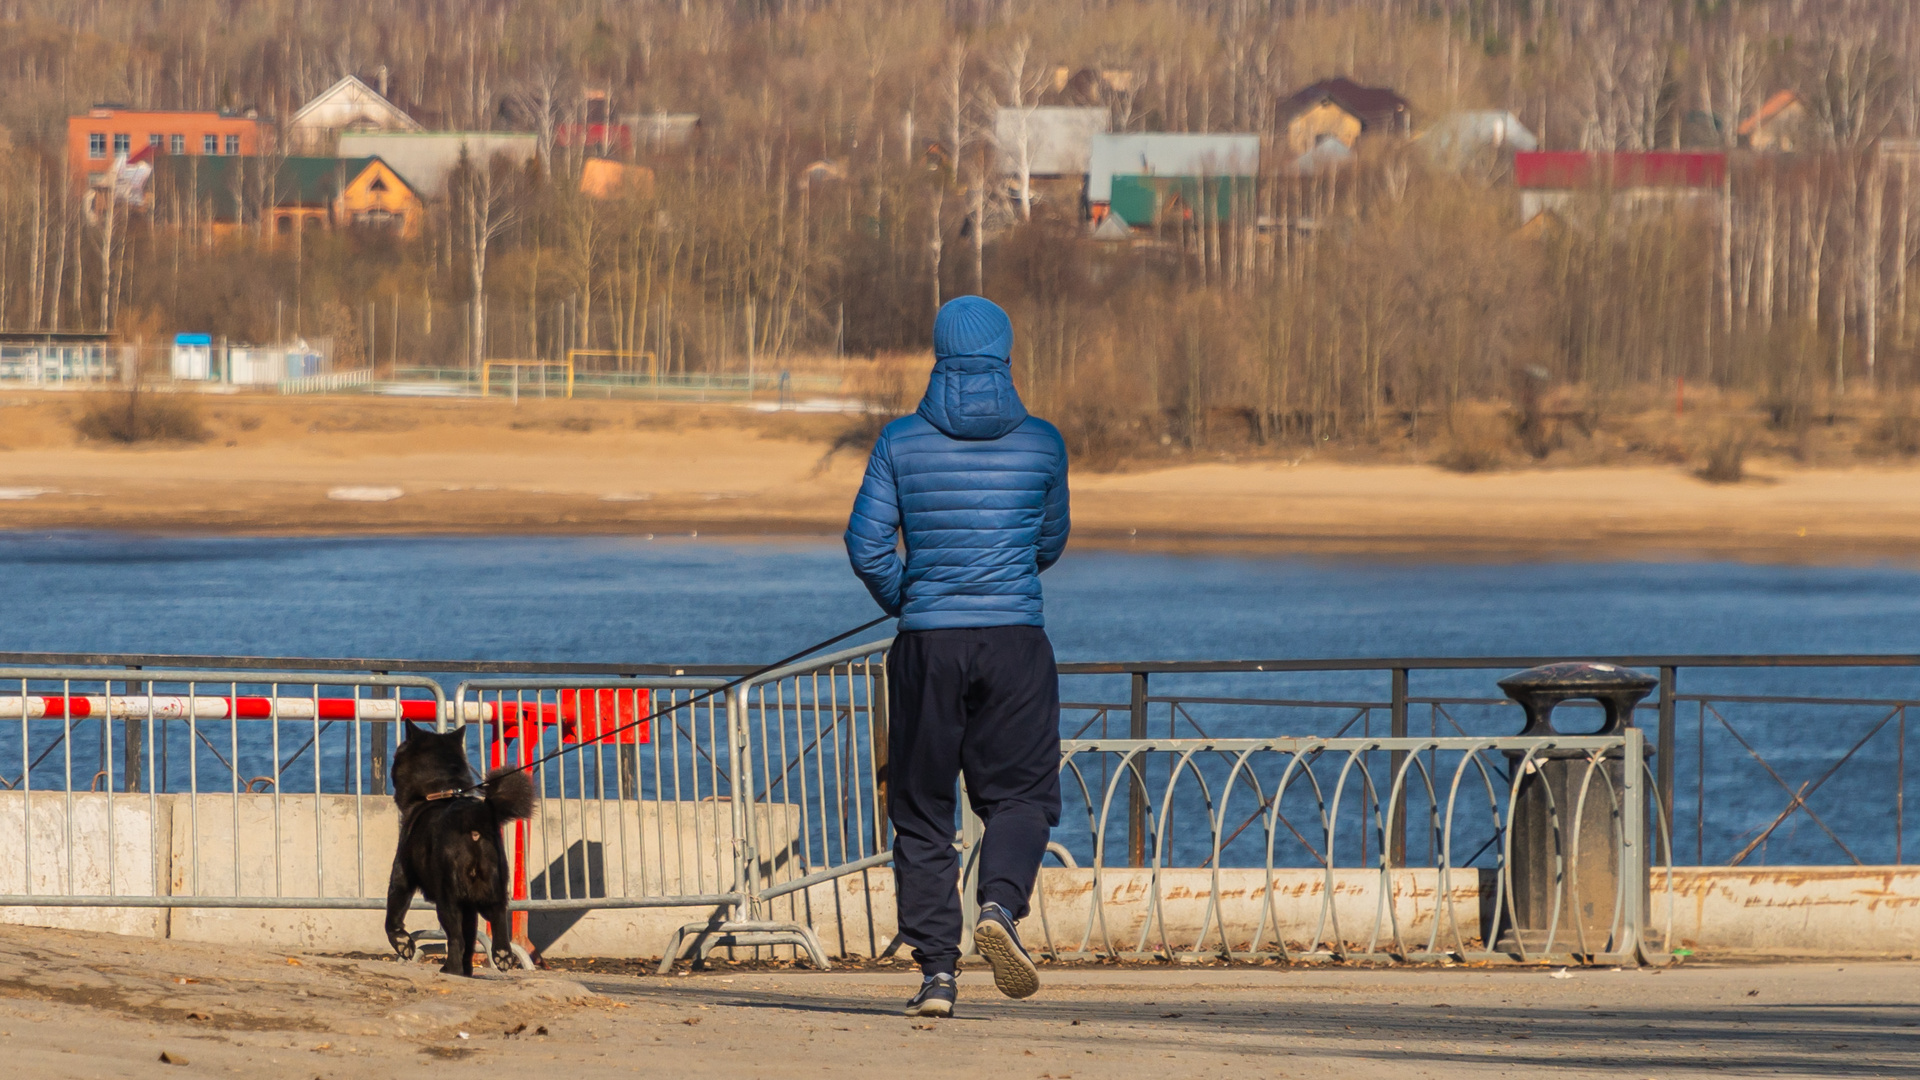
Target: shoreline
376 467
577 518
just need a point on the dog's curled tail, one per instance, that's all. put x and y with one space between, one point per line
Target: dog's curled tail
510 793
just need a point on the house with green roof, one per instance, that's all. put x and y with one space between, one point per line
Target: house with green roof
285 195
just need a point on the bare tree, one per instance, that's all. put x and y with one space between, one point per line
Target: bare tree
1024 83
488 204
538 97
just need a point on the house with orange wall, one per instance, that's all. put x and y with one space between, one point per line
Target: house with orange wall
106 131
288 195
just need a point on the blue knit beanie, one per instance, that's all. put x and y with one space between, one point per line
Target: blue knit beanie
972 326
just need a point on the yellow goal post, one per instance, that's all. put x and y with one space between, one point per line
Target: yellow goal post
487 366
645 357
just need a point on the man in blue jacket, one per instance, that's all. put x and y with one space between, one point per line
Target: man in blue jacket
979 490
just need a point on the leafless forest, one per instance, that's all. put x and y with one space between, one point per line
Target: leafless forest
843 181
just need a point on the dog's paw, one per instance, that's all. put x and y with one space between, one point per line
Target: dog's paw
504 960
402 944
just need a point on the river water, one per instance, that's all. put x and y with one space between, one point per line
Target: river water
695 601
699 601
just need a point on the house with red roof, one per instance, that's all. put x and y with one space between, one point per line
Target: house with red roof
1556 181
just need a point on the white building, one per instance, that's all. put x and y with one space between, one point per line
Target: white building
1166 154
425 159
347 106
1056 141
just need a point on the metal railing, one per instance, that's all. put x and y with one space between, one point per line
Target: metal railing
810 784
817 736
1230 806
584 382
641 817
199 789
142 787
1737 779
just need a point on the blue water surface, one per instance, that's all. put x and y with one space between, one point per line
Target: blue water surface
631 600
699 601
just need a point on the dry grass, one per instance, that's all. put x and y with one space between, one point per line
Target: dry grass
1724 454
1896 434
1479 438
135 417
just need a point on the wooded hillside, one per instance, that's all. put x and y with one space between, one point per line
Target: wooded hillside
842 181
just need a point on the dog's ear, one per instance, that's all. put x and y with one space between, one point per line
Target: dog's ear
414 730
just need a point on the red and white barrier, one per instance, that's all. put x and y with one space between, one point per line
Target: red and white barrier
583 714
211 707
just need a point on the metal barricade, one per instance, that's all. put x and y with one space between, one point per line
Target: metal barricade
198 789
810 782
643 813
764 805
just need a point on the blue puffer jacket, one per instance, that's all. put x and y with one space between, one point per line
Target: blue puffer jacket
980 490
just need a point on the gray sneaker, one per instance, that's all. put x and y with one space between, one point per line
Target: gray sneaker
936 996
995 938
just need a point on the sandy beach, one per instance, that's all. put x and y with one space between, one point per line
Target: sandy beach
377 465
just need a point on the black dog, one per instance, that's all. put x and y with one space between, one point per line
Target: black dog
450 848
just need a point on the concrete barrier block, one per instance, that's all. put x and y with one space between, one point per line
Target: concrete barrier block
255 846
89 843
1793 910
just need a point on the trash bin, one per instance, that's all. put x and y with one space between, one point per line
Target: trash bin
1542 819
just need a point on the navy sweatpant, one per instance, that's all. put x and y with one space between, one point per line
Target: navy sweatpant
985 701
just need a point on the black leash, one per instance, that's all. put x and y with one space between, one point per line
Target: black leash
675 707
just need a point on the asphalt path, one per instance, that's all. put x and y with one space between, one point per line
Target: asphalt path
84 1005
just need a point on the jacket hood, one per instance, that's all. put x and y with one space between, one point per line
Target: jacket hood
972 397
972 326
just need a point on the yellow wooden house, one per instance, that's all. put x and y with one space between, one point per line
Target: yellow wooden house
294 194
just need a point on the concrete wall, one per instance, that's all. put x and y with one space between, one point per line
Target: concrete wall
40 829
1775 911
1794 910
174 845
187 846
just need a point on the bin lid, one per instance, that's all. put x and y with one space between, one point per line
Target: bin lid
1579 677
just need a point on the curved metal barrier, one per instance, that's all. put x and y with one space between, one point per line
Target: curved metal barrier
1276 848
1256 850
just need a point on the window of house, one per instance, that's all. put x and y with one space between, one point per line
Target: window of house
97 144
154 141
122 143
233 144
379 184
176 144
209 144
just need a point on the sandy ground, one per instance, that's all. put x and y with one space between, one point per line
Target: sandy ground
276 465
96 1005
